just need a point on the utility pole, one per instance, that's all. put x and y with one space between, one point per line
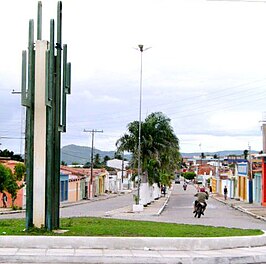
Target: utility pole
250 183
122 169
92 143
263 161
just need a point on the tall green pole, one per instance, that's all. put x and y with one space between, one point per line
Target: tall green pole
50 130
39 21
30 127
57 142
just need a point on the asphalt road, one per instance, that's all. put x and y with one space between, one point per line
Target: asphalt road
179 210
97 208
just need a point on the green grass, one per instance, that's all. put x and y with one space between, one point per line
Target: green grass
91 226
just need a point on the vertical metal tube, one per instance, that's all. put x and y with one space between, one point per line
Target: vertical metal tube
23 79
30 128
57 138
39 21
64 88
68 78
50 133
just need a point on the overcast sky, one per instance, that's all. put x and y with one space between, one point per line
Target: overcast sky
206 69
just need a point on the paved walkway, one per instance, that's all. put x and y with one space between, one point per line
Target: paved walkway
139 250
254 209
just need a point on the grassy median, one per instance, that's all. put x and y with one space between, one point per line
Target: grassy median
91 226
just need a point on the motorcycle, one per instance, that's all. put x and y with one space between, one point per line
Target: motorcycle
184 187
199 209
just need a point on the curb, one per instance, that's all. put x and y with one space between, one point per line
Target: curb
241 209
164 205
132 243
12 212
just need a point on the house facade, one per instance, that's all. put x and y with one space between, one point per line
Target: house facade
81 182
21 195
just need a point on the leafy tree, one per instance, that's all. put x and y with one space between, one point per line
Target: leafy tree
10 154
20 171
118 156
105 159
97 161
189 175
159 146
12 185
87 165
3 177
17 157
6 153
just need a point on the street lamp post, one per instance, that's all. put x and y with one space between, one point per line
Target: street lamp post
140 48
140 103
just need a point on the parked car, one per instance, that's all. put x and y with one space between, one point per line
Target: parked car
177 178
199 179
177 181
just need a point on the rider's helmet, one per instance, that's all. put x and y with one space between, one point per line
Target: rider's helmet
202 189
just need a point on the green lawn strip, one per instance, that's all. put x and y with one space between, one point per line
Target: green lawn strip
90 226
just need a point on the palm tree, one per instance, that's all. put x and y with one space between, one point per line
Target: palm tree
97 161
245 153
159 147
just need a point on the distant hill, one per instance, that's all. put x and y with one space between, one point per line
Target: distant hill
218 153
81 154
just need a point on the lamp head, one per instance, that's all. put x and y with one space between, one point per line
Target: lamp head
141 48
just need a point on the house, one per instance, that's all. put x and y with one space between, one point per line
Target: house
117 164
262 178
72 184
120 176
205 172
21 195
82 185
242 181
257 179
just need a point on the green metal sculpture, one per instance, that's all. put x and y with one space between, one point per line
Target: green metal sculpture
55 104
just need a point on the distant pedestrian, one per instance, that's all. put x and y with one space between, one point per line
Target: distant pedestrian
163 190
210 189
4 199
225 192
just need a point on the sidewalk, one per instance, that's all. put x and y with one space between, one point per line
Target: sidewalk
174 252
155 208
254 209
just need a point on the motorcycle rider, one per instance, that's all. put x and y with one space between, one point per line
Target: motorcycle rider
202 196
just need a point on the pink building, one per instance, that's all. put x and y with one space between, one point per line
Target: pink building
19 202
